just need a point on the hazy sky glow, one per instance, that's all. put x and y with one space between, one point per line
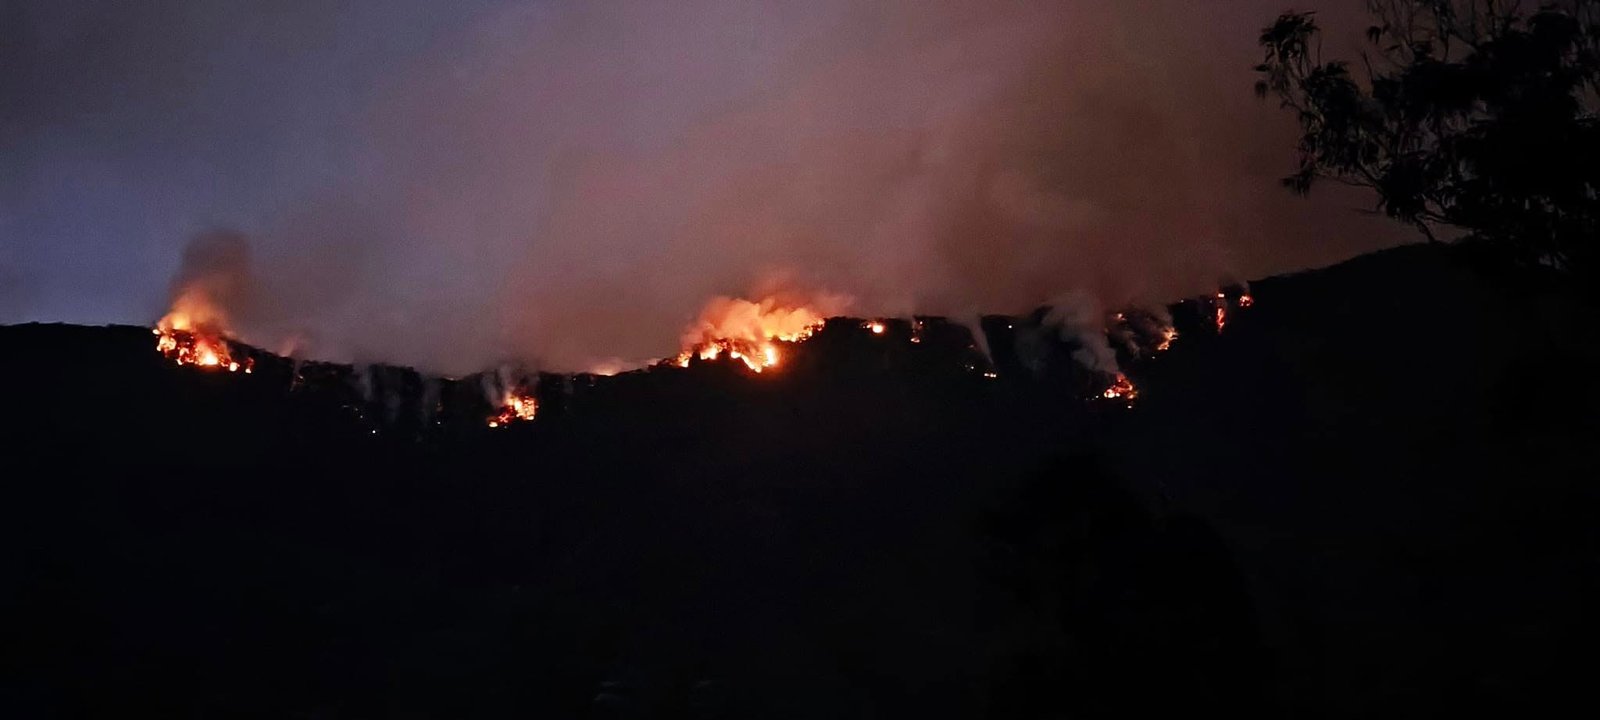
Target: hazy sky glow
458 184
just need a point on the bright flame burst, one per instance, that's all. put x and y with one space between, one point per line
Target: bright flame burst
748 331
516 407
192 334
1121 389
875 326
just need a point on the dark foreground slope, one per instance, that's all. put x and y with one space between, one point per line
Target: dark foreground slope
1373 494
1400 453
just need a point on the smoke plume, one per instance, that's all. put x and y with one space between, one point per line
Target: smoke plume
566 185
1082 320
213 285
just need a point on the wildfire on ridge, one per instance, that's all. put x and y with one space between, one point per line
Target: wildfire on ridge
748 331
191 333
875 326
516 407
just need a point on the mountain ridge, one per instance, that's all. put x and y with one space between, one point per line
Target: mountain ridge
1369 491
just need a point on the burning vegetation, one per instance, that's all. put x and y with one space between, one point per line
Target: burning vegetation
214 276
750 332
757 334
1121 389
517 406
1088 348
1143 333
1222 305
191 333
1168 334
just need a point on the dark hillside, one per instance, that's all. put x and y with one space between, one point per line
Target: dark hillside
1372 492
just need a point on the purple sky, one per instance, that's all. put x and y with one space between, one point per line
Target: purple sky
459 184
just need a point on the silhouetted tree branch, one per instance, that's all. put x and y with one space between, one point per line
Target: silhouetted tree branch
1476 114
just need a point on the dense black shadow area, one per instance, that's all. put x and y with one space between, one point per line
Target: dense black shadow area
1373 494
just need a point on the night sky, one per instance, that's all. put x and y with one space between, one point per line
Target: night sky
458 184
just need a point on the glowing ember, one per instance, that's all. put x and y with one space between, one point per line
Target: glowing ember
191 334
1121 389
748 331
517 407
1220 308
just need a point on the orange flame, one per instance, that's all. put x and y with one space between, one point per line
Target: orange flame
191 333
1140 327
1168 334
516 407
876 327
747 331
1221 306
1121 389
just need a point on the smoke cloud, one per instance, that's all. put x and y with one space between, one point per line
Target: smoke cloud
214 287
566 185
1081 318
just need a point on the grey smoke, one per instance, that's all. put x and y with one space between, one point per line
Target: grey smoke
459 185
1080 318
